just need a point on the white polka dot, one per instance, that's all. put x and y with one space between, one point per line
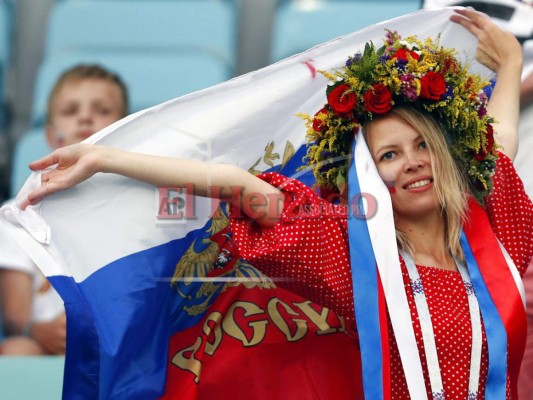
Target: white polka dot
311 255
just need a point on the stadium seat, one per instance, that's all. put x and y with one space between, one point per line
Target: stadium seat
5 41
4 34
300 25
150 79
143 26
31 146
39 377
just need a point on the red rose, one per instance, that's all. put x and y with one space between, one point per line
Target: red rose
318 125
341 101
483 153
402 54
450 64
433 86
378 99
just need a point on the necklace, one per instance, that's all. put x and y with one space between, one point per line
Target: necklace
428 335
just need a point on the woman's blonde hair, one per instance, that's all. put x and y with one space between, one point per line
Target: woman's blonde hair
450 184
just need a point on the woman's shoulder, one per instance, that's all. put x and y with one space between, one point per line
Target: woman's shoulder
303 201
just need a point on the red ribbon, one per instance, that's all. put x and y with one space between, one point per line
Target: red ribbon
501 285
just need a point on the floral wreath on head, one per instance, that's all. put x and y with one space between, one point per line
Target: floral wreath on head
408 72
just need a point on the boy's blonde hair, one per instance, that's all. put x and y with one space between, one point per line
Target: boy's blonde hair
87 71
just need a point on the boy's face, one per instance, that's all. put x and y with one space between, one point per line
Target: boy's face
81 108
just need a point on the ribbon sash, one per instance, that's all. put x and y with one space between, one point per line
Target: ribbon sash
495 274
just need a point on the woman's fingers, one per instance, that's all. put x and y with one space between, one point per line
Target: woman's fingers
476 16
469 19
45 162
46 189
71 167
496 48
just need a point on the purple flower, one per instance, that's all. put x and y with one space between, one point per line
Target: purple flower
390 37
408 87
448 94
409 92
400 64
482 110
352 60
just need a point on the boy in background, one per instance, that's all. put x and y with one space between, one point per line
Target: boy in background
84 100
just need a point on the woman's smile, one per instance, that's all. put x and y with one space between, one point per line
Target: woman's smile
419 185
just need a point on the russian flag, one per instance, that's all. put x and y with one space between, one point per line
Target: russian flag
110 245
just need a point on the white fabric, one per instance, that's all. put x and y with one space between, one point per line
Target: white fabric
426 326
519 22
79 231
46 303
383 238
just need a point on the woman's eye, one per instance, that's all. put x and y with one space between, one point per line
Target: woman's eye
387 156
423 145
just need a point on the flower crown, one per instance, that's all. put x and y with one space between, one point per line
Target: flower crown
421 75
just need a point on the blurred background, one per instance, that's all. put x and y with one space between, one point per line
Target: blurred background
162 49
166 48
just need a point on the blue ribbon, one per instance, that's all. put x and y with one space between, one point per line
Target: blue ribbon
365 290
495 388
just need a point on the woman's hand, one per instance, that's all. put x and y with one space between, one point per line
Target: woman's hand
496 48
74 164
500 51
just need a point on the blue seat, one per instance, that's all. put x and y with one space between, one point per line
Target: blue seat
144 26
299 26
151 78
6 16
38 377
30 147
5 33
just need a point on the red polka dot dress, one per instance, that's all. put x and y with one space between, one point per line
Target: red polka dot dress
307 252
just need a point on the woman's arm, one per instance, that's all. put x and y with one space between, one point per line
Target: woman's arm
500 51
79 162
526 92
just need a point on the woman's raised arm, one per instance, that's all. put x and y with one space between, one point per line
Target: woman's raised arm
501 52
76 163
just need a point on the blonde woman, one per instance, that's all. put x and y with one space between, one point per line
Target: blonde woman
435 146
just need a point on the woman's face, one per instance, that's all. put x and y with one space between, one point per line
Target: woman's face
403 161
